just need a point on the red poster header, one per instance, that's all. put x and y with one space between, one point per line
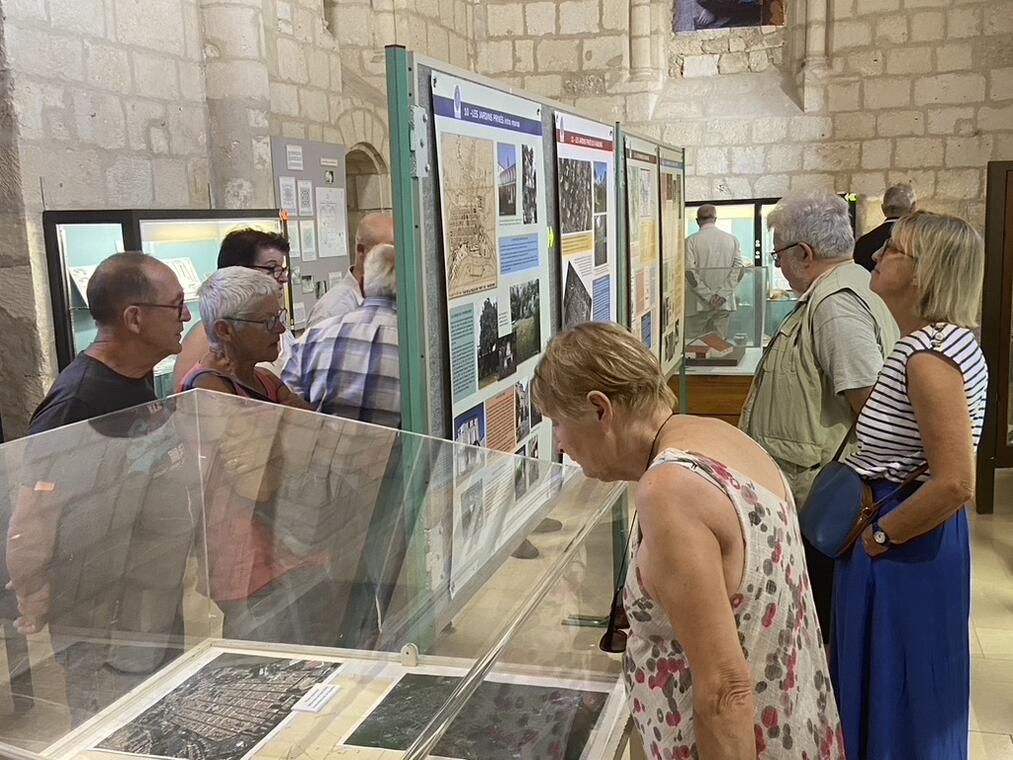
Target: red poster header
584 141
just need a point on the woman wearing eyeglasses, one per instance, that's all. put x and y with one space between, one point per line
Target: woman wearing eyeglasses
265 252
724 657
242 312
902 593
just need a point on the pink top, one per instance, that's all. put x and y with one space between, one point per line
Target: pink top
244 555
796 715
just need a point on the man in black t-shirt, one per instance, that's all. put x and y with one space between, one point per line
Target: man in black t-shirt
101 511
138 306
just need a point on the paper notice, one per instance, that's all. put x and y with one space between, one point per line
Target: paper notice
80 276
463 352
299 314
315 699
305 190
287 195
308 240
331 222
187 275
500 421
293 158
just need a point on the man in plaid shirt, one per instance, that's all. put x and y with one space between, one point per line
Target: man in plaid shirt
349 366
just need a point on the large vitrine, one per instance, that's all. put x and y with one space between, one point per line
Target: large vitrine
78 241
996 447
222 578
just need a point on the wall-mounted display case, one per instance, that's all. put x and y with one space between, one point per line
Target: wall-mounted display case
227 579
187 240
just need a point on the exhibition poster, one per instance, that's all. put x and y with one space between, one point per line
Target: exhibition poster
642 212
587 220
495 242
673 258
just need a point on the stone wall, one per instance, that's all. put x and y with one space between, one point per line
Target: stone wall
154 103
105 107
875 92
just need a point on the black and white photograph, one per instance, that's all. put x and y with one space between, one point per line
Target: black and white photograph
469 429
698 15
520 474
526 316
646 188
533 464
601 194
506 167
473 518
576 299
574 195
522 401
601 240
248 695
506 350
536 414
529 191
488 336
501 721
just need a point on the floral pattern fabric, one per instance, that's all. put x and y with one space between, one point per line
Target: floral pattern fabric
796 715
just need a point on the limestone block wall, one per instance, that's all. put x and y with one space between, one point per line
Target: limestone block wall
102 104
857 95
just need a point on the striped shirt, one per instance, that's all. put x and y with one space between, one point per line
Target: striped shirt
889 442
350 366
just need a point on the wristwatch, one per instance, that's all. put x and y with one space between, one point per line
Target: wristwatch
879 536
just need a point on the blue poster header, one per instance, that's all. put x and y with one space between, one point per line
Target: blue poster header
668 164
487 117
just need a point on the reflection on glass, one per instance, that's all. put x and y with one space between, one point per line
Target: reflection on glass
727 332
208 550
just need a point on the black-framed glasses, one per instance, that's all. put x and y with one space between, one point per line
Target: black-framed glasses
615 638
277 323
776 253
275 271
179 307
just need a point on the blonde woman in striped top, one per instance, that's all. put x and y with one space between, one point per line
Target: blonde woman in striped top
902 595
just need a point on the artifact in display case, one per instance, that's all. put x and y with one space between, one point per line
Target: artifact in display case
214 577
724 326
186 240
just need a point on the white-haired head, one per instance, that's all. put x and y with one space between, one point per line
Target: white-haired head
379 277
229 293
818 219
898 201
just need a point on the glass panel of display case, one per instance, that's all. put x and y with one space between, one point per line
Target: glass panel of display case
83 247
724 317
781 298
735 219
244 578
548 690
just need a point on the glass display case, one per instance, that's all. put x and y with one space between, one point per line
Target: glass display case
210 576
186 240
726 329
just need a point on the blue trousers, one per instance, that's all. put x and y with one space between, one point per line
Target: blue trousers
900 650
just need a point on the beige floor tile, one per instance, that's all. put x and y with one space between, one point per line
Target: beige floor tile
993 705
987 746
996 642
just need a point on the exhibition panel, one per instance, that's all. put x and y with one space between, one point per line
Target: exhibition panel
643 239
673 258
215 575
187 241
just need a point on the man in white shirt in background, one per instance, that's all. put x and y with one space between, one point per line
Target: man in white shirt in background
346 296
714 268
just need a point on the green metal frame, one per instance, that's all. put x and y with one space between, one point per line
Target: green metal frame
410 308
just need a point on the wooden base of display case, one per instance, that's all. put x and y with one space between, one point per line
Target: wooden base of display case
716 396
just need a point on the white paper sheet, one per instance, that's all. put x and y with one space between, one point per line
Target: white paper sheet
331 222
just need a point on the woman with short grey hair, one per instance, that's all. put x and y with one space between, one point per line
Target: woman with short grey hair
242 313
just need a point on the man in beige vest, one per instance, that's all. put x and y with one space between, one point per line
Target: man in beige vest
823 360
713 270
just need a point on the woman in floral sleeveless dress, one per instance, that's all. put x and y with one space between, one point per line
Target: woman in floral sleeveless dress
724 657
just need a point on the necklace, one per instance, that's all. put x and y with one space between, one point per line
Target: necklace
650 454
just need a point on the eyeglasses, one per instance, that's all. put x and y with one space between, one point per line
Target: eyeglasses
277 323
275 271
615 637
179 307
776 254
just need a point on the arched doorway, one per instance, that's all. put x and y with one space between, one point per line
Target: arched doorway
367 183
